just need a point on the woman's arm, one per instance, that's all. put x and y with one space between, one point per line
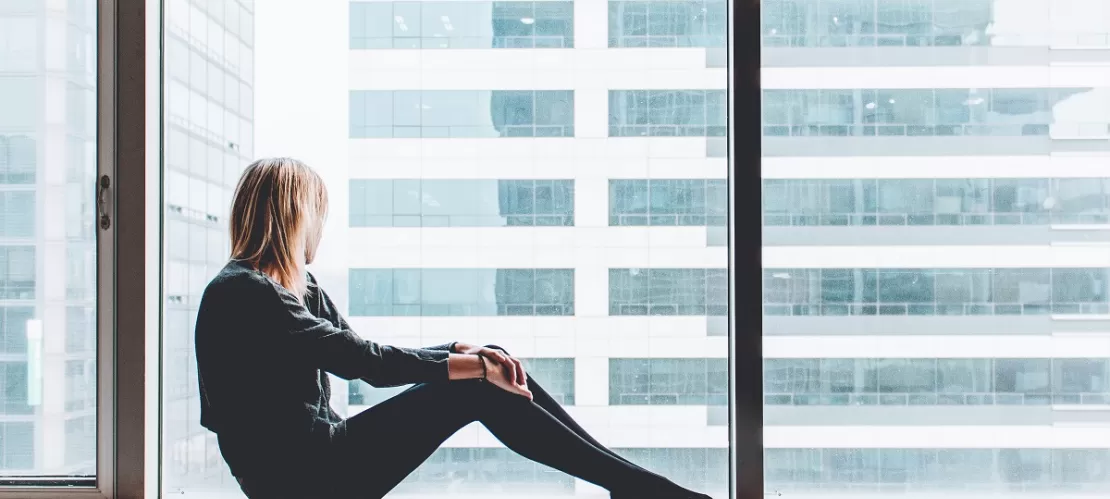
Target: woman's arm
340 351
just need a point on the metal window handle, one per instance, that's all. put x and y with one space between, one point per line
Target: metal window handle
105 221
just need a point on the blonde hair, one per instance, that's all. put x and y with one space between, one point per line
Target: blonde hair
277 219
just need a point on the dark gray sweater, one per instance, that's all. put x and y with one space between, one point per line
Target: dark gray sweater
262 356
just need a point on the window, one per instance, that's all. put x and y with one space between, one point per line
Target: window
668 291
461 203
668 202
837 292
948 202
461 25
542 175
936 382
18 159
638 113
461 292
461 113
939 112
654 23
659 381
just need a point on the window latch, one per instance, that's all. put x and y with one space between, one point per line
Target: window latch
102 185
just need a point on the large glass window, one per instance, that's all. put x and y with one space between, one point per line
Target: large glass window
461 203
660 23
461 113
461 25
638 113
461 292
441 227
47 158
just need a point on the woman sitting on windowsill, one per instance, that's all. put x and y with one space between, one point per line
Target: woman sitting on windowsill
267 335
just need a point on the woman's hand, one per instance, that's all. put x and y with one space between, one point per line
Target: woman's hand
500 376
514 368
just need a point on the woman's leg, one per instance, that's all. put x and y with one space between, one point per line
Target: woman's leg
385 443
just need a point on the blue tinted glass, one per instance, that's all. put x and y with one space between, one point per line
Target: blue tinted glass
653 23
682 292
666 113
461 203
1006 291
886 202
662 381
461 292
462 113
879 23
688 202
448 25
921 112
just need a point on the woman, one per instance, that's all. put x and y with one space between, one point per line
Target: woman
267 334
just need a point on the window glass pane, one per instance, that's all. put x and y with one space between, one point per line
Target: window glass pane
47 244
921 260
476 195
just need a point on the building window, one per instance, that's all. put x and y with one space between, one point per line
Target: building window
13 382
946 382
668 202
882 23
667 113
18 159
693 468
960 201
652 23
905 470
496 471
461 203
17 446
461 113
17 214
940 112
461 292
1004 291
17 272
80 452
80 384
668 292
461 25
659 381
13 328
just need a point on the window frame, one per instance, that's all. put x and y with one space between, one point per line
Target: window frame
128 153
128 343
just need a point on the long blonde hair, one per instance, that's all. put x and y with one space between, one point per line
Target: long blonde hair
277 219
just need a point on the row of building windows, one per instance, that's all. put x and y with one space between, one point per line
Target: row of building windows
13 328
500 203
925 112
936 381
536 292
461 292
13 382
894 471
461 113
957 201
668 381
499 25
531 113
461 203
465 25
17 445
950 291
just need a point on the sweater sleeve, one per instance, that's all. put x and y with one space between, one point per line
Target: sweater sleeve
337 349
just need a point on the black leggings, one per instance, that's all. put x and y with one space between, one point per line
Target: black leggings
388 441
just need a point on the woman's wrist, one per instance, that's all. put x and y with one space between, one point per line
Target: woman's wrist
465 366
